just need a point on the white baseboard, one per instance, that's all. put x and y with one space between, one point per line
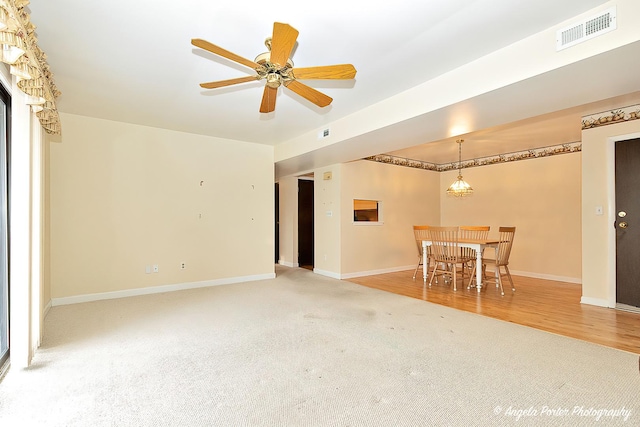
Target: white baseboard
331 274
596 301
288 264
46 309
629 308
157 289
547 277
413 267
374 272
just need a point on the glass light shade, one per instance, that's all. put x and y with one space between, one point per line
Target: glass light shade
460 188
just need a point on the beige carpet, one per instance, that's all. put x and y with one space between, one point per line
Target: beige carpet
305 350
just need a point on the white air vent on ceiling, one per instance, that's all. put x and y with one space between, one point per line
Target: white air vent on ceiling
324 133
586 29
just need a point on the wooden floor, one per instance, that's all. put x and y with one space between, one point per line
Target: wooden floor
542 304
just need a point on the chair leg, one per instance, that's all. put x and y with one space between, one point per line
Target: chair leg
419 264
433 273
433 269
499 280
513 288
472 276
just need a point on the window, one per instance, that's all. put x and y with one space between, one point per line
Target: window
367 211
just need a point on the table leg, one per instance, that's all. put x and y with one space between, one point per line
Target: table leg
479 268
425 262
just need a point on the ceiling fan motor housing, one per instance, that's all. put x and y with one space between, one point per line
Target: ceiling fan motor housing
274 80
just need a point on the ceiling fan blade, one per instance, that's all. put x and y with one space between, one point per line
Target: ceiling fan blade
342 71
203 44
309 93
222 83
282 41
268 99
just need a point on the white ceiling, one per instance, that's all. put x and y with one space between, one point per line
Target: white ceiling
132 61
559 127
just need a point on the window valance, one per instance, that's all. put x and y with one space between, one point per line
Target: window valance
19 48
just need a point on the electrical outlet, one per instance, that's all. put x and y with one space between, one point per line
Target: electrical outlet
183 265
155 268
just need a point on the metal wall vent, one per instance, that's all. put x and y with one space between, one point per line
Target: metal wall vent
586 29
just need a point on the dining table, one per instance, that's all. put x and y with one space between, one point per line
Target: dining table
476 244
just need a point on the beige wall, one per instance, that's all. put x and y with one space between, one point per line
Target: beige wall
407 197
126 196
598 189
540 197
327 246
327 221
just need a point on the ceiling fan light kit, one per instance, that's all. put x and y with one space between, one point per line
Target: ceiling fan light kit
276 68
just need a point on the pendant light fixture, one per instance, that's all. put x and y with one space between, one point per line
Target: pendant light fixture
460 187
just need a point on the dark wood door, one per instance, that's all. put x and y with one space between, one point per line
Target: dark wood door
627 224
305 223
277 225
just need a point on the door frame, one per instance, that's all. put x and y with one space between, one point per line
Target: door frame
611 211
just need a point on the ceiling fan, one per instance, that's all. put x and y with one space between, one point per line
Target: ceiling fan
276 68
